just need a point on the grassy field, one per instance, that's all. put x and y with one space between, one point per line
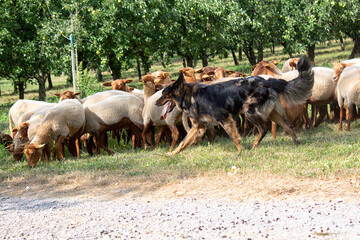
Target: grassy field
323 152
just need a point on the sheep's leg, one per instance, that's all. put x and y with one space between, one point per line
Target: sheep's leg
175 136
276 117
229 126
47 151
350 115
77 145
144 134
159 134
103 136
273 129
322 113
188 140
306 116
314 114
59 149
341 117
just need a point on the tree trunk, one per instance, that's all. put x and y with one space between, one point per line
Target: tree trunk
356 48
250 54
99 75
42 89
234 57
204 59
284 44
21 89
138 68
183 61
162 60
50 81
240 53
342 44
189 61
260 53
115 66
311 52
145 62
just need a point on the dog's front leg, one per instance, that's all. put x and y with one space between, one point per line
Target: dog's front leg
229 125
188 140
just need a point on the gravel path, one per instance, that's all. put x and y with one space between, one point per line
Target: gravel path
184 218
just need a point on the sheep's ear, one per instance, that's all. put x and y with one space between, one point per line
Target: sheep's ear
199 70
107 84
166 74
57 94
128 80
131 88
10 148
292 64
37 146
13 132
77 93
25 125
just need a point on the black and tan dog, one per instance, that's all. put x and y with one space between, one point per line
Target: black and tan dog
257 98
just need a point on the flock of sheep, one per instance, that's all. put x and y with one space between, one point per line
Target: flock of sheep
35 125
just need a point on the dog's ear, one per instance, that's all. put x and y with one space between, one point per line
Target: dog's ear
180 80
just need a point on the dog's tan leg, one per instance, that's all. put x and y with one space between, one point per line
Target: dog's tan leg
273 129
276 117
229 126
188 140
175 136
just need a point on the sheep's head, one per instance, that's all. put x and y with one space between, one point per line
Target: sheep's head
189 74
264 67
207 77
161 77
339 68
23 131
119 84
236 74
68 95
293 62
172 95
33 153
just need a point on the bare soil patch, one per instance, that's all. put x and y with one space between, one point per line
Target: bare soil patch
219 185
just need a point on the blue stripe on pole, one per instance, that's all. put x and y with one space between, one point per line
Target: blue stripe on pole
71 39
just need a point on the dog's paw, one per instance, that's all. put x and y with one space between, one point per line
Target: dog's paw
169 154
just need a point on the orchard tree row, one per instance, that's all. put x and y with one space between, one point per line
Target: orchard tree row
117 35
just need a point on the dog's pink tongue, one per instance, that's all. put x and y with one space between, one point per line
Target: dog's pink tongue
166 109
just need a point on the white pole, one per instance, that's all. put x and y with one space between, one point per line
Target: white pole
72 57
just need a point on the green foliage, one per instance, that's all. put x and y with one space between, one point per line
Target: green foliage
87 84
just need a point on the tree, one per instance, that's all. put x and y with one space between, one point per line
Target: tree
345 18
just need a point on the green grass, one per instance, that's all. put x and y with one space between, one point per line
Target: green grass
324 151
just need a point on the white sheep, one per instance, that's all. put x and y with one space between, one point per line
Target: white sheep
112 113
162 116
23 106
67 118
348 89
23 132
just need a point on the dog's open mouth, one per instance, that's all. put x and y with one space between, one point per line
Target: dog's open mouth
169 106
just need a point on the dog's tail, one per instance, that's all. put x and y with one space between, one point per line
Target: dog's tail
298 90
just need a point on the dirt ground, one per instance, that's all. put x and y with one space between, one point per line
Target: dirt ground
230 186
